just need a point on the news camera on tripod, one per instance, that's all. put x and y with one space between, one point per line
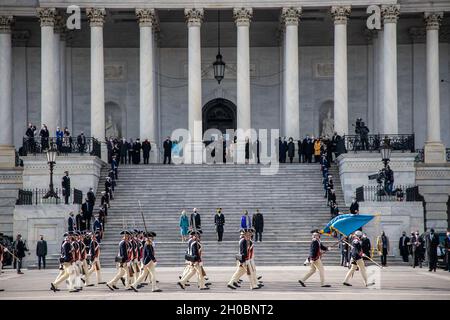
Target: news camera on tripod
361 142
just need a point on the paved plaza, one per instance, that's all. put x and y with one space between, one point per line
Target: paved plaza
397 282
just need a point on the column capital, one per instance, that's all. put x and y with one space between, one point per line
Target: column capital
5 24
291 15
340 14
194 16
390 13
96 16
433 20
242 16
46 16
146 17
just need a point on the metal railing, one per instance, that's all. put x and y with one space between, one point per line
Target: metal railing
372 142
379 193
65 146
421 155
36 196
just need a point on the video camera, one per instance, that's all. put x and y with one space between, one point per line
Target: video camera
380 176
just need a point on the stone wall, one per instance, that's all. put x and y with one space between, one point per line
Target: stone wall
354 169
393 218
47 220
10 183
84 172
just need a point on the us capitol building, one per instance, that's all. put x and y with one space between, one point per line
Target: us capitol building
145 68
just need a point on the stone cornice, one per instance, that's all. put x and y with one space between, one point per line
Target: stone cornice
433 20
5 24
194 16
242 16
340 14
46 16
291 15
390 13
146 17
96 16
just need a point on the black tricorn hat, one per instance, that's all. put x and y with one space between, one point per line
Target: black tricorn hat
125 232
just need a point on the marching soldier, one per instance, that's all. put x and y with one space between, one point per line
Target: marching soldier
76 260
2 250
94 254
149 264
357 260
243 264
315 254
66 268
82 259
200 246
122 260
194 258
251 259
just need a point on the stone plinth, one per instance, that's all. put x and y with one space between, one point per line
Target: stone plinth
7 156
434 152
393 218
354 169
84 171
434 185
10 183
49 220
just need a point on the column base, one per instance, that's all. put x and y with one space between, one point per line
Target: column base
7 156
193 153
434 152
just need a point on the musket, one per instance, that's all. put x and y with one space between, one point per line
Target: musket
364 255
6 250
142 214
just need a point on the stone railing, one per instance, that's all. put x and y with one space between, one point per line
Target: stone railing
372 142
421 155
65 146
380 193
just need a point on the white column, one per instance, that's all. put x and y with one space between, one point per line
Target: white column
242 17
49 114
7 155
194 151
389 122
62 75
380 91
434 149
96 20
59 24
146 75
340 16
291 113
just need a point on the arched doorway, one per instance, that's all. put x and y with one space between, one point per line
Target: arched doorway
219 114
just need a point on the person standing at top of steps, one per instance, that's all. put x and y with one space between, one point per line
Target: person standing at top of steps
258 225
167 146
195 222
219 221
315 253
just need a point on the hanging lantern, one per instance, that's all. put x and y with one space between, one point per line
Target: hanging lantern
219 65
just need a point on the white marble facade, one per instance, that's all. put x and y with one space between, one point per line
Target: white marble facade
316 85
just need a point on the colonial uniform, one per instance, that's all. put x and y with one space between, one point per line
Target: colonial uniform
149 264
94 252
194 265
122 260
357 260
315 254
66 268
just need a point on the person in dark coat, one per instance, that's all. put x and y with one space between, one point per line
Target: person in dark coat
91 202
366 246
71 223
130 151
307 150
258 225
41 251
291 149
20 248
432 242
137 151
301 155
167 146
354 207
115 167
81 221
257 146
146 148
404 247
66 187
247 150
219 222
195 221
81 142
44 134
123 149
447 249
417 249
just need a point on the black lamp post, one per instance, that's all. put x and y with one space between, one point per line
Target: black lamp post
385 151
219 65
51 160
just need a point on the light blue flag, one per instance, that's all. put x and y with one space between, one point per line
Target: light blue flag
347 223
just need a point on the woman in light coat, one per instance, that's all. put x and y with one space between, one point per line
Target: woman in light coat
184 225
